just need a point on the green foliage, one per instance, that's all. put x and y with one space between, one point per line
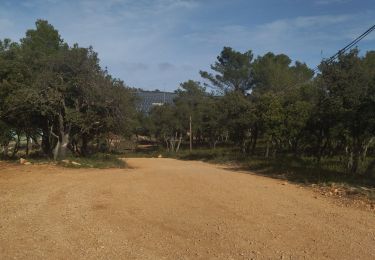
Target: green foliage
301 169
60 97
233 70
6 135
274 73
98 160
59 94
272 107
349 92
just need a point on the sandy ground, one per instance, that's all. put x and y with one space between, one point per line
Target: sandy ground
169 209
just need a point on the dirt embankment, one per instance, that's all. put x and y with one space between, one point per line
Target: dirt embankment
169 209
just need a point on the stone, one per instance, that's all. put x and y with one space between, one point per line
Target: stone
75 163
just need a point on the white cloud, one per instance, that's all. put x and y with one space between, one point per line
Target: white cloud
299 37
159 43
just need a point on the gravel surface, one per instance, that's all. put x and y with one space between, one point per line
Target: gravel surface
170 209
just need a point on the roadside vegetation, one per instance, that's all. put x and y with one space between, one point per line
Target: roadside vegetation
267 113
97 160
277 119
57 102
277 111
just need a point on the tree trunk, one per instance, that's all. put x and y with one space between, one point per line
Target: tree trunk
267 149
354 158
365 149
350 161
179 143
254 141
166 142
5 150
73 147
16 146
84 148
64 145
190 136
274 152
355 165
28 148
371 168
319 147
46 143
243 146
215 143
59 152
172 143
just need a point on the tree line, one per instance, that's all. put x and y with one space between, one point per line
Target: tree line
270 106
58 96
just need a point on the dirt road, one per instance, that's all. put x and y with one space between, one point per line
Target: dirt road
169 209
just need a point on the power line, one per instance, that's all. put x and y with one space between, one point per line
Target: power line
348 47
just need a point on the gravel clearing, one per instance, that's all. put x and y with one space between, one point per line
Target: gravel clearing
170 209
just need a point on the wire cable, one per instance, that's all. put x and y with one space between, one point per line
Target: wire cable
348 47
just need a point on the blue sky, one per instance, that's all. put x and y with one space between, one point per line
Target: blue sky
161 43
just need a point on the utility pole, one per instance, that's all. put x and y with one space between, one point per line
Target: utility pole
191 137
